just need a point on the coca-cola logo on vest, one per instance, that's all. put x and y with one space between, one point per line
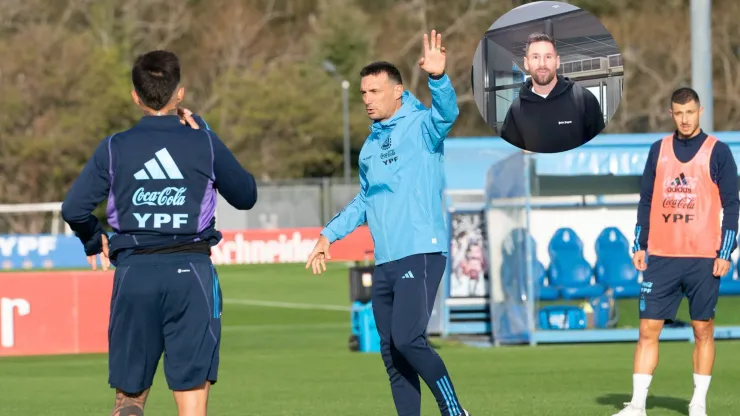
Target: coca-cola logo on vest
679 192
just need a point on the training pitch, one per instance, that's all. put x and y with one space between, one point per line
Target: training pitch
284 352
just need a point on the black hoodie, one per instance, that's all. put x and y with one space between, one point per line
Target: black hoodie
552 124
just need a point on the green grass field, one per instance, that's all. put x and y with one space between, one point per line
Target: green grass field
278 360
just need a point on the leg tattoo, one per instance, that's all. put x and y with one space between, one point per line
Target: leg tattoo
128 404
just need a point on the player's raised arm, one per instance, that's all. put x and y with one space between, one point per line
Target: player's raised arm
444 110
87 192
234 183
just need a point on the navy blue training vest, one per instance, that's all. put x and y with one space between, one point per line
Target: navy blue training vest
161 175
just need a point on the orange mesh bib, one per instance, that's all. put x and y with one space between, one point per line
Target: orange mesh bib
686 210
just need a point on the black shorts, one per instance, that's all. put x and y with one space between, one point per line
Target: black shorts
667 279
167 303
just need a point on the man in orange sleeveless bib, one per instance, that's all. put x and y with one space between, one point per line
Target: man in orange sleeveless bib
687 223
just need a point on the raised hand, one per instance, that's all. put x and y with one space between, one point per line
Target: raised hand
186 117
434 58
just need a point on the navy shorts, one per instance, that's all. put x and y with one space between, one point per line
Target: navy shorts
668 279
164 303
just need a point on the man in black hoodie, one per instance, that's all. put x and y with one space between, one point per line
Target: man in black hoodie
552 113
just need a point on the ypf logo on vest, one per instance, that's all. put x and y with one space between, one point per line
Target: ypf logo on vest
169 196
679 195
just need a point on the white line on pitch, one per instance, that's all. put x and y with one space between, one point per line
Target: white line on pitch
287 305
284 327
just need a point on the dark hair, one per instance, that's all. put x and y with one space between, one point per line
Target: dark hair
539 37
380 67
156 76
684 96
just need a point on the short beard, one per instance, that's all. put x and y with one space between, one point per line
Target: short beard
548 78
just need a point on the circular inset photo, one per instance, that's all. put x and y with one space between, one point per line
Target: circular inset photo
547 77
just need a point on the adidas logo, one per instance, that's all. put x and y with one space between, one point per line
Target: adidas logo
680 184
680 180
408 275
170 171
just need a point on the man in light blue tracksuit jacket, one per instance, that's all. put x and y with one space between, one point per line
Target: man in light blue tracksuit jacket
400 198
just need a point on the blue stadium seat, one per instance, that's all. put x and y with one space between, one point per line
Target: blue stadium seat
569 270
614 267
729 284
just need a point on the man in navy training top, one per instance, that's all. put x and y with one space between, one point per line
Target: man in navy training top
160 178
401 179
667 278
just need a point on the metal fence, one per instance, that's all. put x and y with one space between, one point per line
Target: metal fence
289 204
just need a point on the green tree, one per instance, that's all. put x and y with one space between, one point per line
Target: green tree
282 120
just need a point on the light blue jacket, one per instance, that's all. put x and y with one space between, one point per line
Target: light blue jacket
402 179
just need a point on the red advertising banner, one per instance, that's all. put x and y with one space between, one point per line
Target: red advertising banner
46 313
66 312
287 245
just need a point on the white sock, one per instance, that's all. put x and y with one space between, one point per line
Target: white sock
701 385
640 386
